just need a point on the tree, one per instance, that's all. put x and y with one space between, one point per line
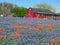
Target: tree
6 8
45 6
19 12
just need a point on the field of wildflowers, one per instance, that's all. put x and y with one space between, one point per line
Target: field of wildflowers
23 31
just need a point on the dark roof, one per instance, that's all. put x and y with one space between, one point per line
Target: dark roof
57 14
44 11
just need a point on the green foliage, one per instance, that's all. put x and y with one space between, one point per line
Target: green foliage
19 12
8 8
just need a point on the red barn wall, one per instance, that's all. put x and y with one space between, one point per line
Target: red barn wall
31 14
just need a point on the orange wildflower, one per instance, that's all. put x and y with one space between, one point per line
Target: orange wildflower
2 30
20 25
2 36
25 26
3 33
15 25
37 28
19 31
50 27
34 28
16 35
54 40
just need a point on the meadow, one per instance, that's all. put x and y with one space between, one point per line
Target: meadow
29 31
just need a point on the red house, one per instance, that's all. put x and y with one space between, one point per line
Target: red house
39 13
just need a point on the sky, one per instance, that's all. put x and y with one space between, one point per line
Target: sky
31 3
